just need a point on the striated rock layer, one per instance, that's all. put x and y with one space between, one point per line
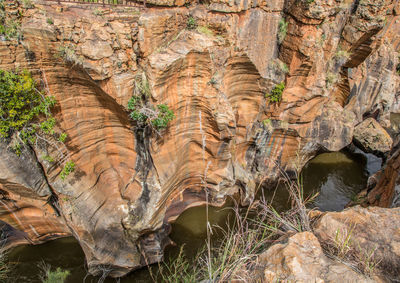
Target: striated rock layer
338 60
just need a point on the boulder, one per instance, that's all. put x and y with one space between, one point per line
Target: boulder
301 259
373 231
372 137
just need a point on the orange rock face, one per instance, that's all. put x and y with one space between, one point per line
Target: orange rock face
338 62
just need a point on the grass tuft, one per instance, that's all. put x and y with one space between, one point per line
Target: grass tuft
55 276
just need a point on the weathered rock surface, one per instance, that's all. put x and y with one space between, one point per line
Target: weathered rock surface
372 231
384 186
372 137
338 60
301 259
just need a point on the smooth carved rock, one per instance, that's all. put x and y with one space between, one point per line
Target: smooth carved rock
302 259
372 137
372 230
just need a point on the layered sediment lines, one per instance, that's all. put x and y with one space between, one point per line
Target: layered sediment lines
338 62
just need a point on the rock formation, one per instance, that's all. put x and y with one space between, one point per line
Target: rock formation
338 60
301 259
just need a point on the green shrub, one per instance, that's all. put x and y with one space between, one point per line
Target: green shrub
68 169
62 137
25 112
21 103
276 94
282 30
165 115
267 122
50 21
191 23
143 112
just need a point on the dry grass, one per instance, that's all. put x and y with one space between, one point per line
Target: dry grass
252 231
343 249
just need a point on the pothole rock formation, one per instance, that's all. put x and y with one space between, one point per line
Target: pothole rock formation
338 61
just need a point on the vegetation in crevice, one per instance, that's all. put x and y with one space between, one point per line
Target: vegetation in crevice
143 112
283 25
10 25
26 118
191 23
68 54
275 96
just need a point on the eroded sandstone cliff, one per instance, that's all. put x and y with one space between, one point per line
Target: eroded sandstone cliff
338 60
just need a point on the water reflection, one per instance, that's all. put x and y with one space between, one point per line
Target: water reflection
337 176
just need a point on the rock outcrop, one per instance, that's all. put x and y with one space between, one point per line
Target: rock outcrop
301 259
372 137
373 235
384 186
355 245
338 60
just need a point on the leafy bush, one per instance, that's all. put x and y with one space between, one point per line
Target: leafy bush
21 103
276 94
25 113
68 169
282 30
62 137
143 112
50 21
165 115
191 23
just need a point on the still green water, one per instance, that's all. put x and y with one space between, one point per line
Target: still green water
337 176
